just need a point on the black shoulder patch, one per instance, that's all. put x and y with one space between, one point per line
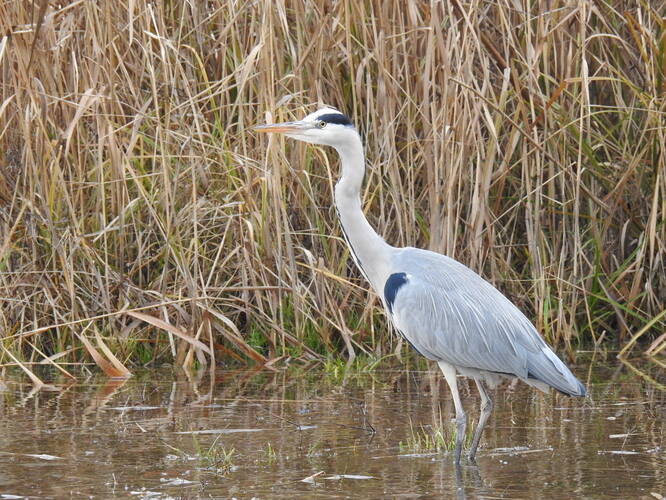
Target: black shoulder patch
337 118
393 284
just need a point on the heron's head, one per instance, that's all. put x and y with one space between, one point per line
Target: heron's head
326 126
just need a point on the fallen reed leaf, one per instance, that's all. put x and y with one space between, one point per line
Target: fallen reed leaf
159 323
108 368
37 382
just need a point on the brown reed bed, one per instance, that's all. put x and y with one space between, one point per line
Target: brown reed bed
142 221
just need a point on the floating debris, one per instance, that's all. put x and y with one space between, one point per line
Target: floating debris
416 455
337 477
176 481
512 449
617 452
311 479
43 456
147 494
518 450
134 408
221 431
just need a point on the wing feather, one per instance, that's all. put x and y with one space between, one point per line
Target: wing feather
449 313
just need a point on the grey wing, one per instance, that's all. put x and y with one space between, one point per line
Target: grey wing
449 313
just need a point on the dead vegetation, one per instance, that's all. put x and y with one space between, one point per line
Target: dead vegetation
141 220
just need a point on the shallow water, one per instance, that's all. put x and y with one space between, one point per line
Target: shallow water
312 434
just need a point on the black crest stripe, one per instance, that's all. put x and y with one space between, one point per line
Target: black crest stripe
337 118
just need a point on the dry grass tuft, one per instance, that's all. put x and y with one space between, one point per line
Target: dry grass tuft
137 209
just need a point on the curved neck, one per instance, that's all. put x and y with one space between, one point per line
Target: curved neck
369 250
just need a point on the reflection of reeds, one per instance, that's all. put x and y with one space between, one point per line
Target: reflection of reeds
129 180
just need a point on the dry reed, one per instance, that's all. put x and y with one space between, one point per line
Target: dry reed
141 220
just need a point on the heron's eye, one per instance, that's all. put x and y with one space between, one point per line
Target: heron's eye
321 124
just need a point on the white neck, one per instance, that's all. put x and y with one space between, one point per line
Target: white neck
370 251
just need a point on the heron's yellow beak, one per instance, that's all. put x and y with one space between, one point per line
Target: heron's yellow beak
286 127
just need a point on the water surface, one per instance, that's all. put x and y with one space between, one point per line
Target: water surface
302 433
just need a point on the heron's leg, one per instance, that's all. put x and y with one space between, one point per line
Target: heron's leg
486 408
461 421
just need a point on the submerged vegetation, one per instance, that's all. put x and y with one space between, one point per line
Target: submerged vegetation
141 221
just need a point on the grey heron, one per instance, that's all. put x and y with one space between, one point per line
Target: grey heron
446 311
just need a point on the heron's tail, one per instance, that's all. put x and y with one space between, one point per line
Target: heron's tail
549 369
